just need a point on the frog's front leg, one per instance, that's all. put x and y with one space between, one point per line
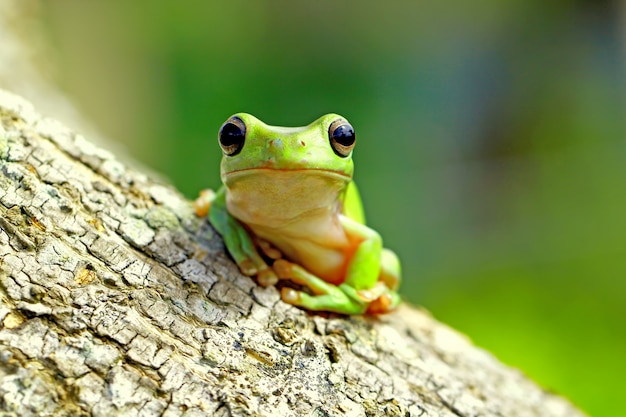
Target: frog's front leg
372 276
238 241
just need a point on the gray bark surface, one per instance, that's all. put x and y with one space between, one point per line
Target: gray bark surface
115 299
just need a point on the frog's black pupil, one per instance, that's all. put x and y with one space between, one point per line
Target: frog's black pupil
344 135
231 134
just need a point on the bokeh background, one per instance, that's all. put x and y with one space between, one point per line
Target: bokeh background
491 143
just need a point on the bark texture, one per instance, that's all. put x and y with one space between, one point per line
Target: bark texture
115 299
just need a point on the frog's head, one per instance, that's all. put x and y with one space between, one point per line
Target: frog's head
250 146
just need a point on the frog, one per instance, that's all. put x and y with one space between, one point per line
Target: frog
288 210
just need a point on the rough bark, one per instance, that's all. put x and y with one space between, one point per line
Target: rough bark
115 299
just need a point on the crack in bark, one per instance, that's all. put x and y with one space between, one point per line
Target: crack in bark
451 407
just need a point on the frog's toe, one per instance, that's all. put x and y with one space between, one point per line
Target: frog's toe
283 268
290 296
266 277
264 274
202 204
268 250
247 267
384 304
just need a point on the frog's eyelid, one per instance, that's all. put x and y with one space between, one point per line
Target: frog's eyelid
232 136
342 137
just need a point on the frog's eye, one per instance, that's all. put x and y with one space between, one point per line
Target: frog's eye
232 136
342 137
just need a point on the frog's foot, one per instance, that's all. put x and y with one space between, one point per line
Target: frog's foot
202 204
250 263
337 301
326 296
265 276
255 265
342 299
295 273
385 303
380 298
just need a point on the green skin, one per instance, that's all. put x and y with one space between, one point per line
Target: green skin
289 196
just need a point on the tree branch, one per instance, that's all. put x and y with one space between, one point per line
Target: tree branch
117 300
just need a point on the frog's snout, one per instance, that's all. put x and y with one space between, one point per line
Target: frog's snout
284 151
278 144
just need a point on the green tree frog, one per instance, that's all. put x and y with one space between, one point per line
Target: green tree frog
289 210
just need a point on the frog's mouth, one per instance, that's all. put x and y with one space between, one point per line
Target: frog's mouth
267 170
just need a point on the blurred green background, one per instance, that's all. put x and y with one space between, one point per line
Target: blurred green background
491 151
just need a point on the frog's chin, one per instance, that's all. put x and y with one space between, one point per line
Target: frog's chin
274 197
269 171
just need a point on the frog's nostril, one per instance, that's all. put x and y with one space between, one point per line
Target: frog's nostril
275 143
302 143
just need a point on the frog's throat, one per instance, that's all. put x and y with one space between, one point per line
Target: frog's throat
279 197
